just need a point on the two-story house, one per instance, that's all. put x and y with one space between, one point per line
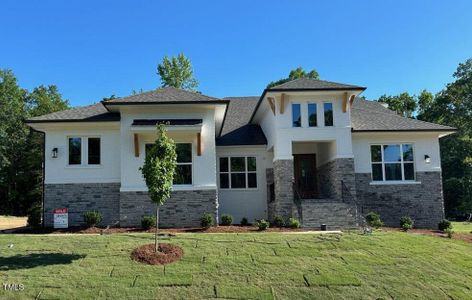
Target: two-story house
309 149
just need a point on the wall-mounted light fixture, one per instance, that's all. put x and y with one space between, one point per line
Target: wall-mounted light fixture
54 152
427 159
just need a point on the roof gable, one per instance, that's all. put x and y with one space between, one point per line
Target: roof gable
310 84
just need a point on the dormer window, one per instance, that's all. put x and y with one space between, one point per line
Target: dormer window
296 115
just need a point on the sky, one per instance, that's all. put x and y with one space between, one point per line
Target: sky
94 49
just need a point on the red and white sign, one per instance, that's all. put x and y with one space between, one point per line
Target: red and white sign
61 218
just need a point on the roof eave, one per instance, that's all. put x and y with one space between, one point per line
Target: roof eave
165 103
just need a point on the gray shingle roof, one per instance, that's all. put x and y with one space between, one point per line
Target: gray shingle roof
373 116
90 113
236 130
314 84
172 122
165 95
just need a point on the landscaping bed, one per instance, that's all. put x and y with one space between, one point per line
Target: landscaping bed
167 254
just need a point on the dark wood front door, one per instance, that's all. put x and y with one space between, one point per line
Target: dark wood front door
305 175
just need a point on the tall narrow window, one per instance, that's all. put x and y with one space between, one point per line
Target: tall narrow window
392 162
312 118
75 150
328 114
93 151
296 115
183 174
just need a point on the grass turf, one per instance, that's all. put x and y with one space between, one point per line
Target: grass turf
462 227
384 265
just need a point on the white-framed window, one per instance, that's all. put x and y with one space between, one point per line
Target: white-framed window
328 114
296 115
238 172
84 150
183 172
312 115
392 162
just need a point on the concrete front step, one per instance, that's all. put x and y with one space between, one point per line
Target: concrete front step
333 213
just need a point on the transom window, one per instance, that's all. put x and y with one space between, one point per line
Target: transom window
84 153
238 172
392 162
183 172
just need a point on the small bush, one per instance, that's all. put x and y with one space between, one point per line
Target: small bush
207 220
34 216
278 221
226 220
262 224
373 220
293 223
444 224
92 218
148 222
449 232
406 223
244 221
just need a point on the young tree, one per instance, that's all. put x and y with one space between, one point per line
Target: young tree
158 171
296 74
177 72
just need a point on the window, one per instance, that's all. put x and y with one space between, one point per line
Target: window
296 115
183 172
75 150
312 118
94 151
89 154
328 114
392 162
238 172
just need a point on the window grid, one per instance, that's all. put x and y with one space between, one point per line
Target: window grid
229 172
401 162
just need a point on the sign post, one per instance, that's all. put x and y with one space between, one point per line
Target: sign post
61 218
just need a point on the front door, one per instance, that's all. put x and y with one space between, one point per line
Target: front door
305 176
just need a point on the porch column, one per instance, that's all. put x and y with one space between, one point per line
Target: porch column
283 188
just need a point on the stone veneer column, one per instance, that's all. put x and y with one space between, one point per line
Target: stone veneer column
283 187
333 174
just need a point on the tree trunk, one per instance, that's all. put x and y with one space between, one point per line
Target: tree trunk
156 237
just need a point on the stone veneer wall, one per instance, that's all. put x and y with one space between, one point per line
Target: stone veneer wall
422 202
183 209
332 174
270 193
283 187
79 198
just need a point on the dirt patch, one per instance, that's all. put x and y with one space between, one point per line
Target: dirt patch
168 253
456 236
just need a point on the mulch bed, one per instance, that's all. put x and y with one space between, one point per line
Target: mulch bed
437 233
168 253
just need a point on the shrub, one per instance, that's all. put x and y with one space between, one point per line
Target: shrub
293 223
148 222
226 220
278 221
449 232
244 221
373 219
207 220
444 224
262 224
92 218
34 216
406 223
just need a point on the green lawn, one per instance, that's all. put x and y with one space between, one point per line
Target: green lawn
462 227
384 265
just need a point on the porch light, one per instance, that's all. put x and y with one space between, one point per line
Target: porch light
427 159
54 152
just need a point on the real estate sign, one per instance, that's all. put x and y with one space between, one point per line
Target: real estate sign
61 218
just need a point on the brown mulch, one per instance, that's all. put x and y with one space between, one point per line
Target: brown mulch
97 230
437 233
168 253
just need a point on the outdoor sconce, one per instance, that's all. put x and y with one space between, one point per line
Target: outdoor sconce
54 152
427 159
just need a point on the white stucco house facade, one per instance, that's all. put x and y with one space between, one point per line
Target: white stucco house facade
309 149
